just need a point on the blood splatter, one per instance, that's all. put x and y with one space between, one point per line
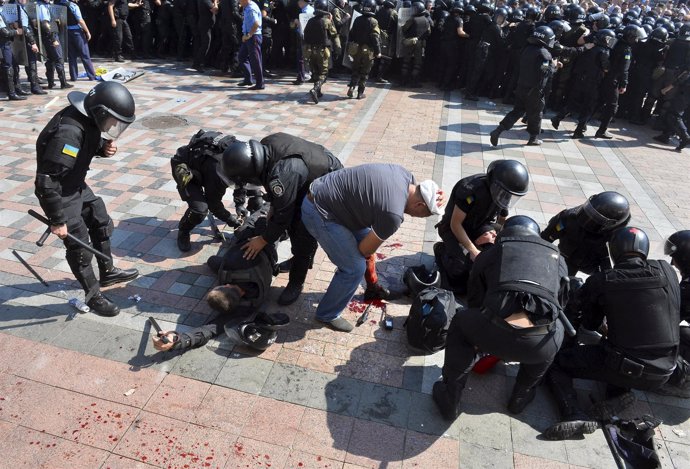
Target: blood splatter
380 256
93 404
208 458
144 458
300 464
356 306
393 245
267 456
319 458
2 398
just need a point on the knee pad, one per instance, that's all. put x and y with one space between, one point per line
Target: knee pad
103 233
191 218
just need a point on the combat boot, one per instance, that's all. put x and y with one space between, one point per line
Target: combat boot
350 91
493 136
102 306
184 242
11 91
555 122
18 86
574 422
116 275
447 399
579 131
360 92
32 71
290 293
603 134
534 140
64 84
314 92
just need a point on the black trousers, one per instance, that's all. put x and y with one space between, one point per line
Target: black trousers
202 41
593 362
528 101
230 46
303 247
121 35
470 328
685 342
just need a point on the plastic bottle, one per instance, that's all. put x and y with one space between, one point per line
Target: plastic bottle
80 305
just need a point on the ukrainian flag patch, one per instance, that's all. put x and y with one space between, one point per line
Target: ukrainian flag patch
70 150
560 226
469 199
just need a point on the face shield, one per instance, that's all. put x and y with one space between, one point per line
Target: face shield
593 221
222 176
670 247
502 197
111 127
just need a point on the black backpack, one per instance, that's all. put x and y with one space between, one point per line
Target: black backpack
429 319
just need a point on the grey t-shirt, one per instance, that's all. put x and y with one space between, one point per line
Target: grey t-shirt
367 196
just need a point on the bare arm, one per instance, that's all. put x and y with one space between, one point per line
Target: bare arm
370 244
460 233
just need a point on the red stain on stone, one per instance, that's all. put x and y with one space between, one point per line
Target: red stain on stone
208 458
356 306
300 464
318 458
380 256
267 456
238 448
93 404
144 458
2 398
393 245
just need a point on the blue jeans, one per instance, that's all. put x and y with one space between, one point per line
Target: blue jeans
342 247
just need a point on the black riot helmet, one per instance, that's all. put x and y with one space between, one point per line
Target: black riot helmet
515 16
594 10
369 6
418 8
388 4
647 29
633 34
630 15
543 35
628 241
532 14
243 162
258 332
470 10
508 179
524 222
321 5
109 104
485 6
659 35
678 247
418 278
604 212
559 27
458 7
552 12
615 21
605 38
684 32
600 21
500 12
576 15
650 20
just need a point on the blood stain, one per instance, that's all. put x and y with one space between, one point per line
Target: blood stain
393 245
75 431
93 404
208 458
319 458
380 256
267 456
300 464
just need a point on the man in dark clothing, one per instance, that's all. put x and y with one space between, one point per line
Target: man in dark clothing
476 27
582 232
7 35
480 199
207 10
142 29
646 56
387 18
285 166
615 81
364 45
588 72
319 36
65 148
451 47
195 170
574 38
536 68
640 300
516 292
230 24
118 11
415 32
49 30
676 102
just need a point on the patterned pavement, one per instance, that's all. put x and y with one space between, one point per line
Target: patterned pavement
84 391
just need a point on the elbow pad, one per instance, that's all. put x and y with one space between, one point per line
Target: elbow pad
48 191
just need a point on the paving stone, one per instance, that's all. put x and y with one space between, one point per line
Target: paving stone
293 384
203 363
385 404
526 432
244 373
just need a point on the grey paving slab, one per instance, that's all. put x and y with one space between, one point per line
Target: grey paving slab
486 427
526 436
293 383
340 395
680 455
590 451
482 457
244 373
203 363
676 422
424 417
385 404
82 335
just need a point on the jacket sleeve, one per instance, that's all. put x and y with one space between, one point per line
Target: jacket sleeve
592 311
285 184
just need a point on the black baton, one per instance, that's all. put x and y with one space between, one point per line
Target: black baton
41 241
569 329
159 331
78 241
29 268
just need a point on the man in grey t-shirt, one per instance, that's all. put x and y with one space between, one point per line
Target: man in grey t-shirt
351 212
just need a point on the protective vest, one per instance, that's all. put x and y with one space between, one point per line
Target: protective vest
66 127
315 33
319 161
588 66
640 311
204 144
71 19
535 67
678 55
528 264
581 248
237 270
418 28
362 29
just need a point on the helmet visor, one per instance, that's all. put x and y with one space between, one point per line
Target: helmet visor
112 128
222 176
594 221
502 197
670 248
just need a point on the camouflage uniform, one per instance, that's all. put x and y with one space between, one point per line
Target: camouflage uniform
364 44
319 34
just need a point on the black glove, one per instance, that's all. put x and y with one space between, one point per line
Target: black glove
233 221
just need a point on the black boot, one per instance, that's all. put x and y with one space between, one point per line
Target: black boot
534 140
447 399
350 91
493 136
290 293
189 220
579 131
63 80
521 397
314 92
574 422
11 91
50 75
184 243
109 274
360 92
555 122
18 86
32 72
102 306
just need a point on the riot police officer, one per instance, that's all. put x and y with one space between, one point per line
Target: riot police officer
285 166
582 232
647 56
517 41
536 68
48 29
195 170
319 35
516 293
118 11
364 45
477 24
65 148
678 247
415 31
7 34
615 81
640 300
575 15
477 200
452 36
387 17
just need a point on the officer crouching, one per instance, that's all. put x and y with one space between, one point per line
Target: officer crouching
515 295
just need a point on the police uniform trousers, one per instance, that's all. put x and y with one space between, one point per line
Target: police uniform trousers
528 101
6 57
195 197
534 347
673 112
54 58
685 342
165 28
88 221
121 34
362 62
250 59
413 54
79 49
318 61
600 363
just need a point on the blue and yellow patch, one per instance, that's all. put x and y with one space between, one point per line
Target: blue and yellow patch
70 150
560 226
469 199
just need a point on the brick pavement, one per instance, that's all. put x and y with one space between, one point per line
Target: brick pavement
316 398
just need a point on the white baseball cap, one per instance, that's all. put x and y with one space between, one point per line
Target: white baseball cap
429 190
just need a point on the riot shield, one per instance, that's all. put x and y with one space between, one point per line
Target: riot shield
32 13
404 14
58 15
347 60
12 18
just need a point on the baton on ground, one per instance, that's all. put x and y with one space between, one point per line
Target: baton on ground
569 329
364 316
30 269
159 331
75 240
